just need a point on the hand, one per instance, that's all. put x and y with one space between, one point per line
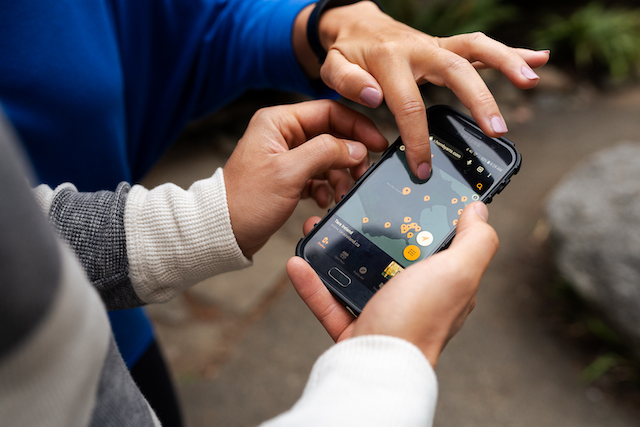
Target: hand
426 304
290 152
371 56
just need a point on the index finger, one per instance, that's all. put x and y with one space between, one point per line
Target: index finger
405 101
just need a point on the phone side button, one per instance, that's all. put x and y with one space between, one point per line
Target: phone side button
350 310
339 277
501 186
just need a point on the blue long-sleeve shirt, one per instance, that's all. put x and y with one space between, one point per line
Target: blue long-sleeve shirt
98 89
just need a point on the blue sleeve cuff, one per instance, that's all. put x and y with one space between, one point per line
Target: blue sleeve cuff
283 68
133 333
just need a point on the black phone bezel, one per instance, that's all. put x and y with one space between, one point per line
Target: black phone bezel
487 197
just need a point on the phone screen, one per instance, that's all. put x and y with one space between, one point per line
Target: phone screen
392 219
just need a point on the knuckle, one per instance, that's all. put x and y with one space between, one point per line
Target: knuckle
263 114
472 305
455 64
327 145
411 107
264 111
512 56
385 49
484 99
346 76
489 238
492 239
476 37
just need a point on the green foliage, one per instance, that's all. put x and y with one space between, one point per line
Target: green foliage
599 367
601 330
448 17
596 37
611 355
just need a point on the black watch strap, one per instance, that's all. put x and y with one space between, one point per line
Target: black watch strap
313 33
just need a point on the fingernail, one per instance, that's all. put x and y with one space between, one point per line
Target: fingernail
423 171
482 211
529 73
370 97
356 150
545 51
498 125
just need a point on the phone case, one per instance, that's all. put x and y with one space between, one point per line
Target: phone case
351 303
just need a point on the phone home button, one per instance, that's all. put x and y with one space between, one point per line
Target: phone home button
340 277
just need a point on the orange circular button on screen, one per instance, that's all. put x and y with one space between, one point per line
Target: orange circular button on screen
411 252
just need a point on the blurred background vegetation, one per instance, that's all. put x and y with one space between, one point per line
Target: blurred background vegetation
591 40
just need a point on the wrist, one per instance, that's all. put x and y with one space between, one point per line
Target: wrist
328 17
305 56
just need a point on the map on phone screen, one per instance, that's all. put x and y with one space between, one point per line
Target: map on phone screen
391 219
403 216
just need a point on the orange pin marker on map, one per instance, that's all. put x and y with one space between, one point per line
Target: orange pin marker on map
406 190
365 220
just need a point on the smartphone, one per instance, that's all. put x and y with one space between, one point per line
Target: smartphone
390 219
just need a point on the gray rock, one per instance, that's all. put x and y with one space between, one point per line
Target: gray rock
594 216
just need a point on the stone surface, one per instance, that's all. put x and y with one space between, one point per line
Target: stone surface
594 215
172 312
240 291
192 349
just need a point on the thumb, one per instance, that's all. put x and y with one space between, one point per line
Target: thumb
322 153
476 241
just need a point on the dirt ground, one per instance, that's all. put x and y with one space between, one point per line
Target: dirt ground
241 345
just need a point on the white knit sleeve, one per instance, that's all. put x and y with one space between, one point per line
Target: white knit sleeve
176 238
373 381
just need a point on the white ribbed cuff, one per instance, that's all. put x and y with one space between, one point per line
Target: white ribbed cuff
177 238
370 380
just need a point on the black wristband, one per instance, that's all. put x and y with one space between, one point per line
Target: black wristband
313 33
